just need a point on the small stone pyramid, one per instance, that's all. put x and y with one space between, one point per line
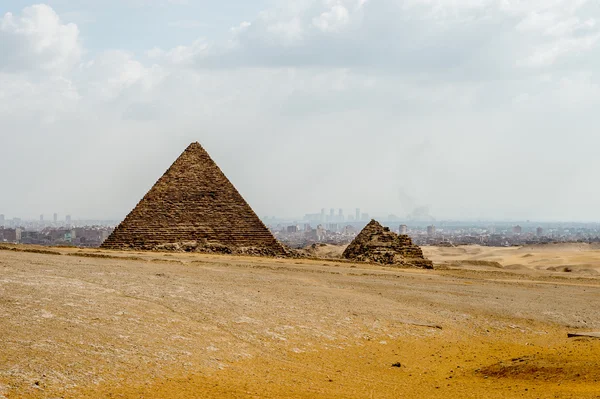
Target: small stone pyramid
378 244
194 207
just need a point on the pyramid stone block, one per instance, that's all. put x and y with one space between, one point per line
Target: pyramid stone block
194 207
378 244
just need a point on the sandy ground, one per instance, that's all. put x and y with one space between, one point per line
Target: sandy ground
580 259
95 324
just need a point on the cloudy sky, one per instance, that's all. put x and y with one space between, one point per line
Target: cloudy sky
477 109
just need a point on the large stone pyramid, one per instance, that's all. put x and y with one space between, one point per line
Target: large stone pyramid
194 207
378 244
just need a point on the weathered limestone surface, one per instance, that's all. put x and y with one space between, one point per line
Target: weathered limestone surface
194 207
378 244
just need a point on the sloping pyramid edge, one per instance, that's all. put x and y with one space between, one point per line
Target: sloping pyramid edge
193 206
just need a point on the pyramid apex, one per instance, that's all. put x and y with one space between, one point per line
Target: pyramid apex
194 147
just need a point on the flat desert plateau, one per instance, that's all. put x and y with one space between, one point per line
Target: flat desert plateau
486 323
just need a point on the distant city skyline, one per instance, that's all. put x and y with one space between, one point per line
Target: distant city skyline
61 218
333 231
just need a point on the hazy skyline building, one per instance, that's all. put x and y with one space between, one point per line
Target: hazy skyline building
430 230
357 215
403 229
2 220
55 217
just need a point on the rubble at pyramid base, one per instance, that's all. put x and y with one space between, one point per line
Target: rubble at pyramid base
390 257
218 248
377 244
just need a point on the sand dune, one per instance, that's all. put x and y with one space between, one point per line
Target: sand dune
578 259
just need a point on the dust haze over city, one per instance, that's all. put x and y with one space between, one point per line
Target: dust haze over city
299 198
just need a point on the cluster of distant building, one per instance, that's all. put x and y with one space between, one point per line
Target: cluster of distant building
299 236
324 227
332 217
505 235
18 222
335 228
54 232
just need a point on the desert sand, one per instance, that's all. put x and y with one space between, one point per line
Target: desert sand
486 323
576 258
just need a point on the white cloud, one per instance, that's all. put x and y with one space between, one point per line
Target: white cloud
560 29
285 32
547 54
112 73
37 39
236 30
327 94
437 37
333 19
45 101
180 55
